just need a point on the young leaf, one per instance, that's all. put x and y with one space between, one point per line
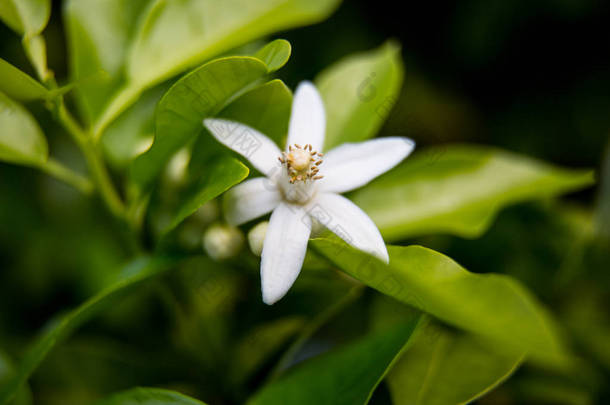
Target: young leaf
174 36
275 54
459 189
19 85
99 34
265 108
177 35
220 176
25 17
24 396
443 367
359 92
491 305
180 113
21 139
28 18
135 272
149 396
347 375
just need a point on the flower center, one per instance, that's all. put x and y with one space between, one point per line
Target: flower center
301 163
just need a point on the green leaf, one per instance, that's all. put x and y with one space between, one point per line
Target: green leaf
491 305
220 176
21 139
24 396
261 343
275 54
99 34
132 133
26 17
180 113
149 396
458 189
134 273
359 92
177 35
444 367
265 108
347 375
19 85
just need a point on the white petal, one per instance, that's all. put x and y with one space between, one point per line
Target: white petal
349 222
308 119
352 165
251 199
284 250
261 151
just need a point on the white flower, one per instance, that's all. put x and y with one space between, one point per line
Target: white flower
303 185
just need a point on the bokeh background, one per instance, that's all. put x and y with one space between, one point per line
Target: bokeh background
530 76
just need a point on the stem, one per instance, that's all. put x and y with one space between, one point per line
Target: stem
94 161
67 175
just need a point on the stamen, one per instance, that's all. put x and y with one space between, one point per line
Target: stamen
300 163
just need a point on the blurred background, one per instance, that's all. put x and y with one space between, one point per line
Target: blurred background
530 76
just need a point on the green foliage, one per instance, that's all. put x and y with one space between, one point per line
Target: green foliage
348 375
180 113
459 189
21 139
359 93
434 332
486 304
221 175
139 270
448 367
149 396
19 85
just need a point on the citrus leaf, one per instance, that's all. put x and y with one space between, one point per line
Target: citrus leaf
19 85
347 375
491 305
459 189
220 176
275 54
149 396
444 367
135 272
180 113
359 92
21 139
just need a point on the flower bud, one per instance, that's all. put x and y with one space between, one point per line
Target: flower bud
222 241
256 237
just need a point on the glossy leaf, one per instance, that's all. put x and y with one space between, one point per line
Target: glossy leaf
265 108
359 92
443 367
149 396
24 396
21 139
459 189
491 305
218 178
133 132
347 375
99 34
260 344
180 113
167 43
19 85
275 54
137 271
26 17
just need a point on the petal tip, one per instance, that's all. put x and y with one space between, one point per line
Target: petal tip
271 296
